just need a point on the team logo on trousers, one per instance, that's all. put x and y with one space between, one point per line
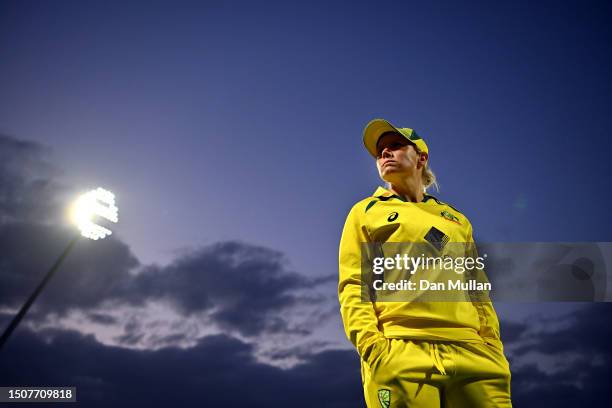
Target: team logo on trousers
384 397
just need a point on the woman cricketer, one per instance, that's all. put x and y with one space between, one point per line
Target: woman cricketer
415 354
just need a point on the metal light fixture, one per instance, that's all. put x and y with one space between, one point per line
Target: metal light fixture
98 203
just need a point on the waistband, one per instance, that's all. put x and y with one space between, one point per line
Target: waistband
462 334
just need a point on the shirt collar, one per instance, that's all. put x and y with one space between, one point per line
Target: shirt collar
383 193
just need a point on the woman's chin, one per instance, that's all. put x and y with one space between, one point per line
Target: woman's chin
389 175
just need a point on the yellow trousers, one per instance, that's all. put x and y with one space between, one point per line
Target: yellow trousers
427 373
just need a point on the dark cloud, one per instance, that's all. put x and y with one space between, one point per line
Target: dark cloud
221 370
580 347
218 371
512 331
92 273
588 324
241 287
168 340
132 333
302 352
245 286
532 387
101 318
28 186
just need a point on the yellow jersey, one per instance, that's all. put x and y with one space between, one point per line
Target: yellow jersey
386 217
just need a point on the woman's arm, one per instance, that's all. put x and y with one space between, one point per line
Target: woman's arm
489 323
359 318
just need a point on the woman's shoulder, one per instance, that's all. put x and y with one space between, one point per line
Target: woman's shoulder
361 206
427 197
366 202
447 210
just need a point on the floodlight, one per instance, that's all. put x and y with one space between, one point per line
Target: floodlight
95 203
85 212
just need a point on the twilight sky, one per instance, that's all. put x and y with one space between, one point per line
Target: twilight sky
230 133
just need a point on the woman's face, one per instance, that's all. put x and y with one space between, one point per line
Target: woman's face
397 158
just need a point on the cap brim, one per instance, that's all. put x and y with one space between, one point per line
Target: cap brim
373 131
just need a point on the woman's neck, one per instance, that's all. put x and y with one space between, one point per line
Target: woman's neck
411 190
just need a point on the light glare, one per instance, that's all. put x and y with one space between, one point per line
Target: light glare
98 202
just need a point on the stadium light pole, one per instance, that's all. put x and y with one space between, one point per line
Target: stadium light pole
96 203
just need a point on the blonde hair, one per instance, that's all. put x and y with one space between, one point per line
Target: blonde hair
429 178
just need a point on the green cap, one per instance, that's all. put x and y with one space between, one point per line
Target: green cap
377 127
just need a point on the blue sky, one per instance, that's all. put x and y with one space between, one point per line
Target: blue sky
217 122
